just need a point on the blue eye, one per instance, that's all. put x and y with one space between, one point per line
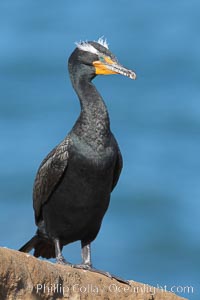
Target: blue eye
101 58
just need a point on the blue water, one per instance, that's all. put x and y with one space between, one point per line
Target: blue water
151 232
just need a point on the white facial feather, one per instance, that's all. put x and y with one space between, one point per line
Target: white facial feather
85 46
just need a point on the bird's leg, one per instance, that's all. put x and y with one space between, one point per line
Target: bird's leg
86 255
59 257
87 263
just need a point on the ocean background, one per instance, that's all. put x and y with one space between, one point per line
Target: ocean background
151 232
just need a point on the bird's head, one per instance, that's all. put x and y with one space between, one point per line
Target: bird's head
94 58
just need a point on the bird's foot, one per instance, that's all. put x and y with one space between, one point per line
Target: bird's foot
83 266
107 274
62 261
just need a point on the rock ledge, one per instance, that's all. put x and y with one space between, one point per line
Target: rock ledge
23 277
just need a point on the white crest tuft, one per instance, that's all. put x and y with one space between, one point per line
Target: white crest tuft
85 46
103 42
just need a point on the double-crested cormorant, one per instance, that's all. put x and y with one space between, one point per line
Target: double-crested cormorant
73 184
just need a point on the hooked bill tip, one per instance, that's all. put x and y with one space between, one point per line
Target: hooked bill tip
129 73
126 72
132 75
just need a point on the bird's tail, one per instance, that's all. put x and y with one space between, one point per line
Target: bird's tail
42 247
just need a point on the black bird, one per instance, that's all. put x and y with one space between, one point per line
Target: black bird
74 182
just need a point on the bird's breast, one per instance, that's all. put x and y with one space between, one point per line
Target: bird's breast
98 160
89 164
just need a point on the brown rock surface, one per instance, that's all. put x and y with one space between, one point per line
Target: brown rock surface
23 277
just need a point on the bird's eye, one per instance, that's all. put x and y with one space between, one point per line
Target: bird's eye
101 58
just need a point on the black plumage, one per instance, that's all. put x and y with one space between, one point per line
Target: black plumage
74 182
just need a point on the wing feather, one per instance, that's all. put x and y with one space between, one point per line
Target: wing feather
118 166
49 175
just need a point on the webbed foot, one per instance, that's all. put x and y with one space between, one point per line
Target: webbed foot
62 261
107 274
